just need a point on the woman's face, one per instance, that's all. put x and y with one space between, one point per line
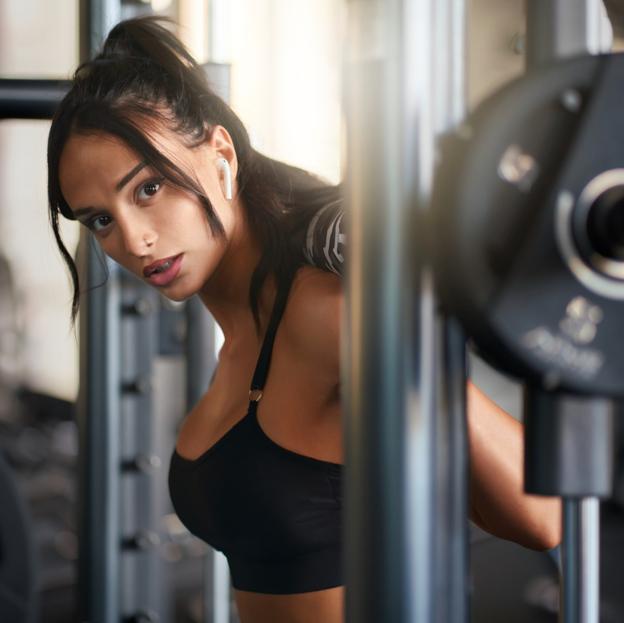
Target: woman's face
158 232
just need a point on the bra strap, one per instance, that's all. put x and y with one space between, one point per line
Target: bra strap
264 360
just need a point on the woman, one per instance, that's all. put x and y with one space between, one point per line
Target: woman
144 155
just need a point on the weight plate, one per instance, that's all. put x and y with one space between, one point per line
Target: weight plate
510 191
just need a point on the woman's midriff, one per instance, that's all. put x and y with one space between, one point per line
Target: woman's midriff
326 606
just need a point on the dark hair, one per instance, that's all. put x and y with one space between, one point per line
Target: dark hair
145 77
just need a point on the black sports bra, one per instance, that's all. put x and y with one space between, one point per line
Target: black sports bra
275 514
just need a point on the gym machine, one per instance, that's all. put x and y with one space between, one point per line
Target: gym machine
519 238
406 495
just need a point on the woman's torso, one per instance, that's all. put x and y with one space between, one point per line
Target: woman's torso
299 412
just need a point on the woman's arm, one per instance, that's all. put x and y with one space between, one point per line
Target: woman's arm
498 502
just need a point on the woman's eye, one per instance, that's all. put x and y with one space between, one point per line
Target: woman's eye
99 223
149 189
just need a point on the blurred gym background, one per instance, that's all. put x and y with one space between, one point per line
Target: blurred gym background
284 59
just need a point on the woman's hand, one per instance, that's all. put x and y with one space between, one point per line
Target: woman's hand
498 502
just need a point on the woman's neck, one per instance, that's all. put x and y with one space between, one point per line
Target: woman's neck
226 293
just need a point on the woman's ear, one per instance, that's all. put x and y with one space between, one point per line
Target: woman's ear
225 159
221 141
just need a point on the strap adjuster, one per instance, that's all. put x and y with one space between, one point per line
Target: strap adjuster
255 395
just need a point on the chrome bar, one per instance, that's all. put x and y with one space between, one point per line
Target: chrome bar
98 415
580 561
557 29
99 400
450 445
220 589
383 372
560 28
397 478
590 561
30 99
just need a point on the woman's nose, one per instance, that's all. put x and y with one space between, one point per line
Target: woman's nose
139 237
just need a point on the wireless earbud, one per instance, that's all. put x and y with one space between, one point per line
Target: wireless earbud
224 168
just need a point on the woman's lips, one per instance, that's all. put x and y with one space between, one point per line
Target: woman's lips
167 276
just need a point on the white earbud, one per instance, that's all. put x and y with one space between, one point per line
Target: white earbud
224 168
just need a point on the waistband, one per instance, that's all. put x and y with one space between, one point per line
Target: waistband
314 571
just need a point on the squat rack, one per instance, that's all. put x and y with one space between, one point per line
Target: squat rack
406 546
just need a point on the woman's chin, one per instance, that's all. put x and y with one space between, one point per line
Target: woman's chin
176 294
177 297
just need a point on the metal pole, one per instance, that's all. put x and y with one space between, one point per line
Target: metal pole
560 28
96 18
396 478
590 559
382 351
30 99
450 443
98 409
220 589
556 29
99 400
580 560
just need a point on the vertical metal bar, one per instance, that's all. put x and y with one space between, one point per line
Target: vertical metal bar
141 571
560 28
439 427
449 61
99 398
220 589
590 559
450 428
556 29
452 561
569 595
580 561
394 448
382 350
96 18
599 32
98 420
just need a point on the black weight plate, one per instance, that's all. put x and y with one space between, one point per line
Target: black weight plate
499 265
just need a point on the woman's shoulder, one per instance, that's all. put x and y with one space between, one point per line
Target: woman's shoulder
315 296
313 314
312 281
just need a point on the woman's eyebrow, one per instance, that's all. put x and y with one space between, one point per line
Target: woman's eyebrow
82 212
120 184
128 176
